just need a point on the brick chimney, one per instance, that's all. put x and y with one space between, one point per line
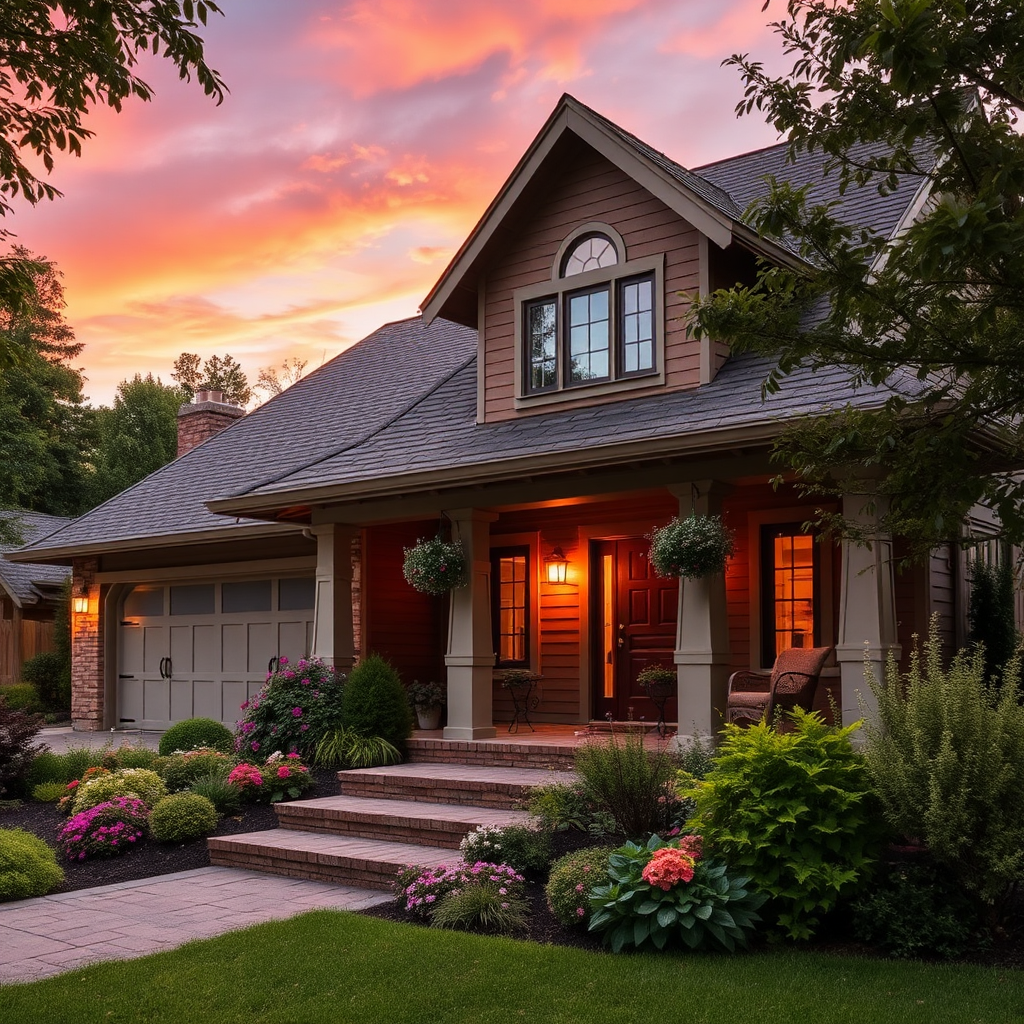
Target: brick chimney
208 414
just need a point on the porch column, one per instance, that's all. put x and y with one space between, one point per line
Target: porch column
470 657
702 630
333 639
867 606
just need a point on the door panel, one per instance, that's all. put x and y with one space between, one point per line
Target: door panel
261 646
181 699
181 651
206 699
156 700
205 649
154 641
234 656
292 642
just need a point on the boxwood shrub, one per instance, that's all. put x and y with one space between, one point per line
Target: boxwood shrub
28 867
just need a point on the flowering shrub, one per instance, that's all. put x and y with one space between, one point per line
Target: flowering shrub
105 829
248 779
490 897
666 891
518 846
693 547
571 881
295 708
285 776
182 769
436 566
137 782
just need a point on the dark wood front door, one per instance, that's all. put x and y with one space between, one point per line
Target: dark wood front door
634 617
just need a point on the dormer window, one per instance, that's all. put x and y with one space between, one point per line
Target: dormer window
598 321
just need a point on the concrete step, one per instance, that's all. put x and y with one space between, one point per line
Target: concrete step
403 821
492 753
465 785
346 860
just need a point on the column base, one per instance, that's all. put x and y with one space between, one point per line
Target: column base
481 732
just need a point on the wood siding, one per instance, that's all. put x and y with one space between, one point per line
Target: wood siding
22 638
589 189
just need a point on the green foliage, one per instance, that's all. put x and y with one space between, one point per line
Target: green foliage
295 708
344 748
21 697
482 908
571 880
630 782
218 373
526 849
131 756
48 792
696 756
285 777
46 672
426 696
795 812
179 771
28 867
435 566
182 817
375 704
17 750
135 437
916 910
700 904
990 613
134 782
559 806
947 761
196 732
72 764
913 95
227 799
691 548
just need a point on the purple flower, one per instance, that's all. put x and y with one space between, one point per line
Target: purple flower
297 712
254 745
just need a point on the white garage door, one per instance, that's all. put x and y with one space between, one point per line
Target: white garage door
202 649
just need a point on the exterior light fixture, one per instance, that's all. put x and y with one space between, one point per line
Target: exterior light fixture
555 566
80 604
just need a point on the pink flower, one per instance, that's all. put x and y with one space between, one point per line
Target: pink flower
297 712
283 772
254 745
580 912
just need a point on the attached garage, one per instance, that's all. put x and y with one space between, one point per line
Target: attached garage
201 649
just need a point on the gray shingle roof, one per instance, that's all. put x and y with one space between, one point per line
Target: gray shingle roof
31 582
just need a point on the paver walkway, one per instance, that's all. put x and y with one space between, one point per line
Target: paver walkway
51 934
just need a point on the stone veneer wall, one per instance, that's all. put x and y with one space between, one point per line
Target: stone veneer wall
87 676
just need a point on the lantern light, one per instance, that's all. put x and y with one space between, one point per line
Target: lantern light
80 604
555 566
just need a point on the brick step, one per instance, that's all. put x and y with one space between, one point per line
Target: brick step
465 785
493 753
405 821
323 858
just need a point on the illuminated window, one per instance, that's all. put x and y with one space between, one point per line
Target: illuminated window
790 586
510 576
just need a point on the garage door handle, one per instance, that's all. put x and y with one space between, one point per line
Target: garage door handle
272 666
165 668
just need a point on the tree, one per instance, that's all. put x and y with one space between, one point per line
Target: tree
218 373
273 383
137 436
58 59
45 429
894 90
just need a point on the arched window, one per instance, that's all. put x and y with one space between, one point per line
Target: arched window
592 252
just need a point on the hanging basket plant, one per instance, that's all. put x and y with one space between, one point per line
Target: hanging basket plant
692 548
436 566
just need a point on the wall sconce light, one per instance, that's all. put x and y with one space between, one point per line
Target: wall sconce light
555 566
80 604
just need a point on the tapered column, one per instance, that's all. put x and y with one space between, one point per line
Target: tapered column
867 606
470 657
702 631
333 639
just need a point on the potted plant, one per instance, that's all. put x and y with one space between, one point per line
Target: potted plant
692 548
436 566
427 700
656 680
518 679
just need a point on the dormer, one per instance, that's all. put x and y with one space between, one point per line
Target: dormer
577 277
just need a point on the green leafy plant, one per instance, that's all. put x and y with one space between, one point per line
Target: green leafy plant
285 777
570 883
46 673
28 867
17 751
662 893
195 732
990 612
247 780
142 783
182 817
426 696
518 678
345 748
435 566
72 764
216 788
293 711
656 677
526 849
104 830
483 907
793 810
947 759
22 697
559 806
179 771
633 784
916 910
48 792
131 756
375 704
692 548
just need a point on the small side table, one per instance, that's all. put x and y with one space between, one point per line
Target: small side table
523 702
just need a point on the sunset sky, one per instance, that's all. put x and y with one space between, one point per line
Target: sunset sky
359 144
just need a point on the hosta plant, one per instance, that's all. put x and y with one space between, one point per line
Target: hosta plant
662 893
105 830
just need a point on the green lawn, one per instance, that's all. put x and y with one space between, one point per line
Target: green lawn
332 967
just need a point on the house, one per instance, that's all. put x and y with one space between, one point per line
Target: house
29 595
548 409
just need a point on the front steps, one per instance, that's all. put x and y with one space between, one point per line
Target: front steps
385 819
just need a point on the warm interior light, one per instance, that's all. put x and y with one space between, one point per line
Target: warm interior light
80 605
555 565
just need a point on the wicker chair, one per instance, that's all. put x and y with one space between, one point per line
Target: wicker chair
792 683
